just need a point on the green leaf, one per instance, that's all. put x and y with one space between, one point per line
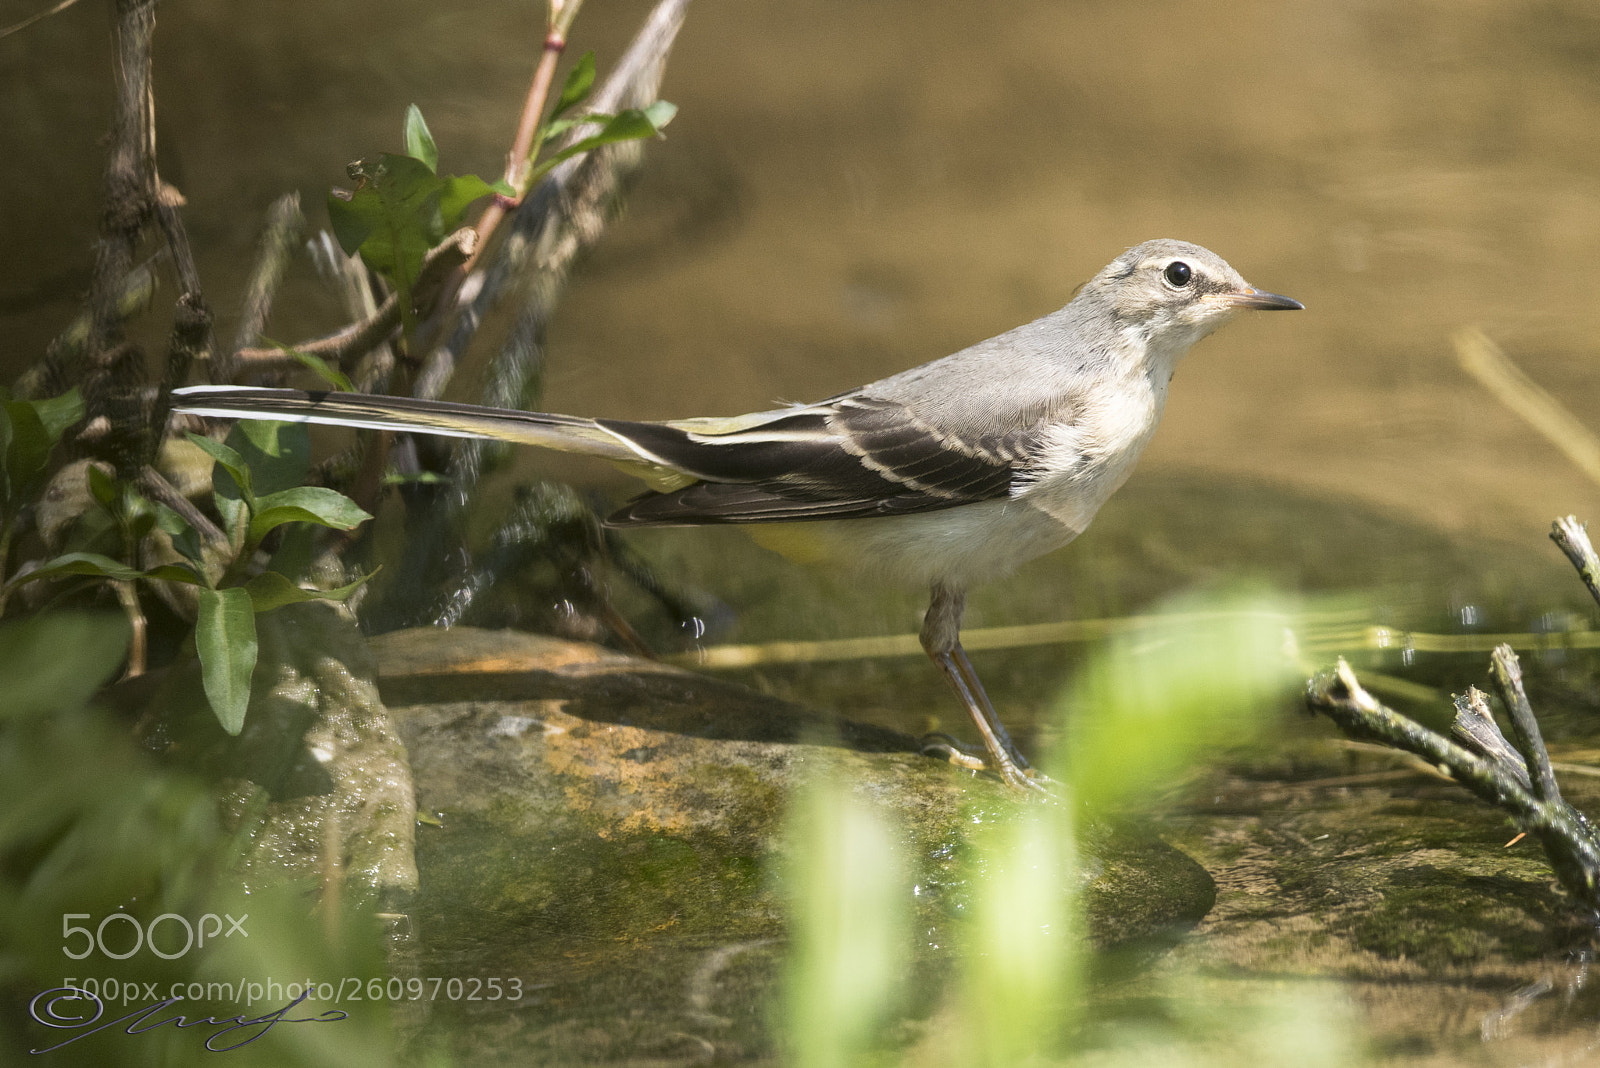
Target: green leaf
305 504
59 413
273 589
56 661
103 487
580 79
660 113
316 364
419 142
185 538
235 516
415 478
556 127
231 463
351 222
631 125
460 190
27 449
277 454
392 219
98 566
321 368
225 638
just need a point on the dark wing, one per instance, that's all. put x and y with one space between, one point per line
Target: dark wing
855 457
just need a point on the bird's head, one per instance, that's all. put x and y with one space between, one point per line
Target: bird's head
1176 293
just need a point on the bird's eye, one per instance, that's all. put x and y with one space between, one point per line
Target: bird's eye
1178 274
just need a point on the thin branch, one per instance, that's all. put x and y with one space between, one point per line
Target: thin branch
1568 840
562 12
1573 539
168 201
357 339
279 237
129 203
1475 728
563 215
1506 671
155 486
18 27
191 341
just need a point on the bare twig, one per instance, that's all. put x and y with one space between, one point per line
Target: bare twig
1507 674
357 339
129 202
18 27
563 215
191 341
128 597
1568 840
1476 729
278 240
155 486
168 201
1573 539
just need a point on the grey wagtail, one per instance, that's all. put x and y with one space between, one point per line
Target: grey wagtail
948 474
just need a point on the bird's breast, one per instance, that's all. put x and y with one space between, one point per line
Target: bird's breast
1087 459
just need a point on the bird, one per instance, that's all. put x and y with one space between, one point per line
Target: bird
947 475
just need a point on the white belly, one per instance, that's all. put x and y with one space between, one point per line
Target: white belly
957 546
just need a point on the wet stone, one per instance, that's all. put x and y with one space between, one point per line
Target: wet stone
605 830
1339 865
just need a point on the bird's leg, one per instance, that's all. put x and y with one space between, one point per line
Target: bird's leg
941 638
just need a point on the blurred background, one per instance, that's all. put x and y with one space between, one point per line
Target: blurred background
851 189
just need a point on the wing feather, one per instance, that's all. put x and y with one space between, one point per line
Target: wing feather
854 457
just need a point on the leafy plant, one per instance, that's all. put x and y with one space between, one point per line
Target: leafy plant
254 498
631 124
29 431
97 827
402 207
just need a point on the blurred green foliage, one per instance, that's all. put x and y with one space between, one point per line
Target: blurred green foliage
1152 701
256 489
91 827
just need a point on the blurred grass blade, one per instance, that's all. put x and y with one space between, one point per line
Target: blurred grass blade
1020 997
1142 709
1484 360
849 914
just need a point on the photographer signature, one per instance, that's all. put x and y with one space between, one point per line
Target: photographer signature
54 1008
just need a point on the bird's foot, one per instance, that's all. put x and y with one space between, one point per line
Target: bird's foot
1021 778
1010 772
945 747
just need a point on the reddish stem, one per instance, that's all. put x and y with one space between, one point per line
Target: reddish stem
517 162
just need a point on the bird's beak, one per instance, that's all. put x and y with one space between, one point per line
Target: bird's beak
1261 301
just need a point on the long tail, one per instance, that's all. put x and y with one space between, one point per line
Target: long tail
567 433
